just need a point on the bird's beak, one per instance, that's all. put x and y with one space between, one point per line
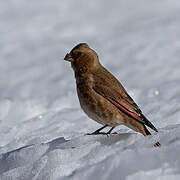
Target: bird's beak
68 57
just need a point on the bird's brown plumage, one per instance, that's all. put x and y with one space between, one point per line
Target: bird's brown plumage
101 95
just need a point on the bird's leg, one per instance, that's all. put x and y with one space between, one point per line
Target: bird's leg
97 131
109 132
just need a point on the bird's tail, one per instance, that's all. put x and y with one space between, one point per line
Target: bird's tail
148 123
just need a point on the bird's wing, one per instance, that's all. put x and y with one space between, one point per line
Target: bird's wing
118 96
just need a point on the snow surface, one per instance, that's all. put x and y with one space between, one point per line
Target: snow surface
42 128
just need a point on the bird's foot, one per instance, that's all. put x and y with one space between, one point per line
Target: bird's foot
101 133
97 133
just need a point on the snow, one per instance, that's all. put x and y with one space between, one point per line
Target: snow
42 128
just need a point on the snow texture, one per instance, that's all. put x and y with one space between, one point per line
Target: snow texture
42 128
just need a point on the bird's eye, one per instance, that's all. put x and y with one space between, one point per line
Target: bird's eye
76 54
79 53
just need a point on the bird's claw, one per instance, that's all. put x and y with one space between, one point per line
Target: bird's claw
101 133
97 133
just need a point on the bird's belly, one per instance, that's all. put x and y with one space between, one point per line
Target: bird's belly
99 109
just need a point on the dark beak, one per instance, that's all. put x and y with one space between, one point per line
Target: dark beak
68 57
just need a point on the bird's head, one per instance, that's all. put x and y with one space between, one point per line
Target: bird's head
82 58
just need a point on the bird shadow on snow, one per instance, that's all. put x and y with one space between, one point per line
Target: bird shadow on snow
89 139
62 143
30 153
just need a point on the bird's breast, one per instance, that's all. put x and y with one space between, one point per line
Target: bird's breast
96 106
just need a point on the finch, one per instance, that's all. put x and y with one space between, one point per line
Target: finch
102 97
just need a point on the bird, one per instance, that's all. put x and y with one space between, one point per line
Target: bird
102 97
